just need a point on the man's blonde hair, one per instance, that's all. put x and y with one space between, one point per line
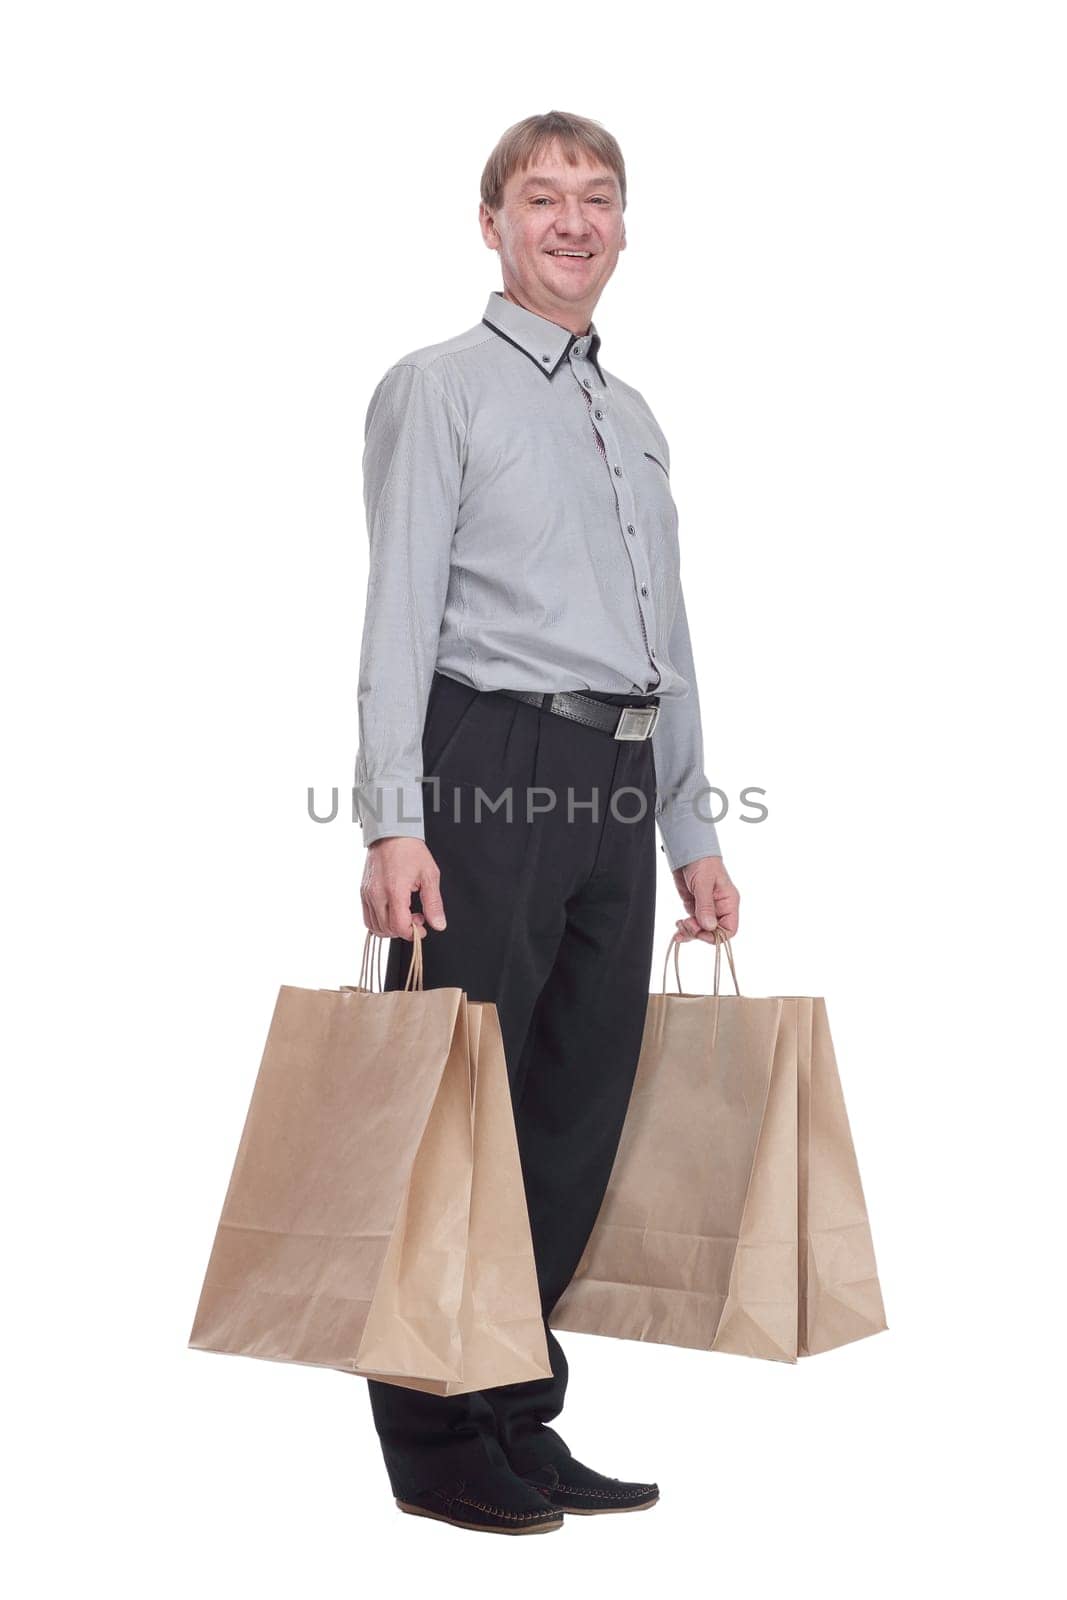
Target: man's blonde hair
520 146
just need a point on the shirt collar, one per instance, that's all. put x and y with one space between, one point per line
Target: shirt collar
545 342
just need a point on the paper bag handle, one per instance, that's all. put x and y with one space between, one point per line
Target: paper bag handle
722 941
366 976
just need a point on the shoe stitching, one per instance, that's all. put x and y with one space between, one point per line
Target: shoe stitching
605 1494
498 1511
446 1496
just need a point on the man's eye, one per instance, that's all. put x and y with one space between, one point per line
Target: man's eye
542 199
600 199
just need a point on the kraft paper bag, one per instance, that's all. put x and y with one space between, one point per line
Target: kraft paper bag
734 1218
376 1220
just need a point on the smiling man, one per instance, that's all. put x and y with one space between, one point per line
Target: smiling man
528 715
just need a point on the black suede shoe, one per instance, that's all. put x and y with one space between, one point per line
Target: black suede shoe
580 1491
491 1502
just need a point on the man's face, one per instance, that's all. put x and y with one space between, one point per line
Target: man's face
559 232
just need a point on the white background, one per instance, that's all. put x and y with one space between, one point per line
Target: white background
843 297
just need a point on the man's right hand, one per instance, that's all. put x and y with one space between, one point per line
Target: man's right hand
395 868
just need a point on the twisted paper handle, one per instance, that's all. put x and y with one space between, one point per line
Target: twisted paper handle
414 977
722 941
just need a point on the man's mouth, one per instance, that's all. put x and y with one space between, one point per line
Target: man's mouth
580 255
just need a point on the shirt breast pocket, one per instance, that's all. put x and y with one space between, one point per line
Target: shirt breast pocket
657 501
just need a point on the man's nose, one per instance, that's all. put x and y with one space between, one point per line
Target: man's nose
572 219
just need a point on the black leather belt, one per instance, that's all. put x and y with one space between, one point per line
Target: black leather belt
622 722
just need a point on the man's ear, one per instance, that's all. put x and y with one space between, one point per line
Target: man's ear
622 238
488 227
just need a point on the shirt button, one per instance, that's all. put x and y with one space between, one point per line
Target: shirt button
588 385
618 472
598 415
643 589
546 358
630 528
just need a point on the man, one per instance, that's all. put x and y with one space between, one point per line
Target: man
526 657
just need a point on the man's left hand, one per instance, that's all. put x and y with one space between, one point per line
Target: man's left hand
709 897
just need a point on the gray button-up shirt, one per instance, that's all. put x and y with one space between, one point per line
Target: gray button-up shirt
510 548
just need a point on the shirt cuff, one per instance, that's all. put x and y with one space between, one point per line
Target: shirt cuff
687 836
390 810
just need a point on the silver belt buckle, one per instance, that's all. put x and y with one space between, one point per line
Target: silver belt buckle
637 722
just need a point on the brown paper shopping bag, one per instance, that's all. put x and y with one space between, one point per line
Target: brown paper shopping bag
375 1220
734 1218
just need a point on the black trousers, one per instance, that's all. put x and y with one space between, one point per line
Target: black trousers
550 915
